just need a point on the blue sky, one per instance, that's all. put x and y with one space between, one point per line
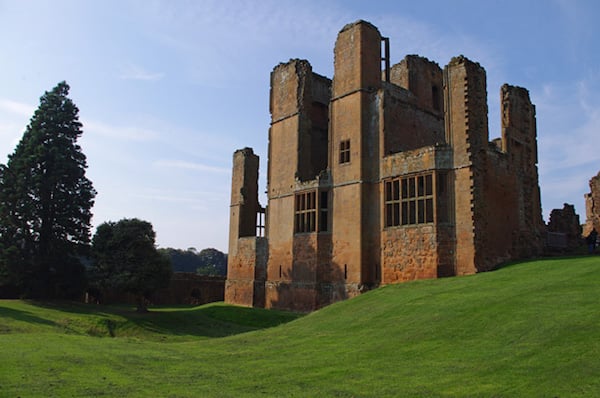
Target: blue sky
167 90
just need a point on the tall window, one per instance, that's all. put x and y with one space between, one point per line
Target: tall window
307 218
306 212
435 97
260 222
409 200
345 151
324 211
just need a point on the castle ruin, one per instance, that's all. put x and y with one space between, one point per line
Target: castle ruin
382 175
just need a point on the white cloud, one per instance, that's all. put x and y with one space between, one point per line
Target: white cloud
135 72
179 164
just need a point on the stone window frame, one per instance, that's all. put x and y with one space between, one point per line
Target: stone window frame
409 200
311 211
344 151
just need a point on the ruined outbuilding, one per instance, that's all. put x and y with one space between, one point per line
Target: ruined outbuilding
382 175
563 229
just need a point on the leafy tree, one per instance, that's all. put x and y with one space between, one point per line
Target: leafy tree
45 203
125 258
214 262
206 262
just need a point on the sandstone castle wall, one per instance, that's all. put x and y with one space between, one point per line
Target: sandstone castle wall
381 176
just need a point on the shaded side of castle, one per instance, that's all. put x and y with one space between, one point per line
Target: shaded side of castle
382 175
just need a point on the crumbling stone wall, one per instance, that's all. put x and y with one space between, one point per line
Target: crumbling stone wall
566 221
592 206
246 260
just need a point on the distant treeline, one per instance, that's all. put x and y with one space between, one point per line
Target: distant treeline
205 262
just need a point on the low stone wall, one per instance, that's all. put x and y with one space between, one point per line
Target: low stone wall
184 288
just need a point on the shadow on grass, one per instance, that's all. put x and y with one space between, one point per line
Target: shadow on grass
216 320
211 320
24 316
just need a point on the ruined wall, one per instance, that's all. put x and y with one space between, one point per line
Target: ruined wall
592 206
246 260
184 288
244 196
499 223
466 131
566 221
313 129
414 251
409 253
298 158
519 141
406 125
297 288
424 79
291 90
246 273
499 186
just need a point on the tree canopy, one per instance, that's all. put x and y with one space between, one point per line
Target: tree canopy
125 259
45 203
209 261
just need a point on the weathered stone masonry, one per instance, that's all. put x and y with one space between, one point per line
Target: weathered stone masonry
379 177
592 206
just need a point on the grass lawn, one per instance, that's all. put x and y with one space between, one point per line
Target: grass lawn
528 330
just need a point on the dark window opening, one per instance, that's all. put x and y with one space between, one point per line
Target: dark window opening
435 97
345 151
324 211
442 197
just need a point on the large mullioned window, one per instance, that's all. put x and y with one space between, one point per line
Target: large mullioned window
409 200
306 217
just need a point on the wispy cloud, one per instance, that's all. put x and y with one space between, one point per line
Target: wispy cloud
568 117
123 133
240 33
14 117
197 199
178 164
135 72
568 121
17 108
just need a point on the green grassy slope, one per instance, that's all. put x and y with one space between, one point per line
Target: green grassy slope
531 329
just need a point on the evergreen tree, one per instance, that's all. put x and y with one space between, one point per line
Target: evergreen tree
45 203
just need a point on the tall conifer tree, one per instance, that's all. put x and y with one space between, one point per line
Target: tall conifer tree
45 203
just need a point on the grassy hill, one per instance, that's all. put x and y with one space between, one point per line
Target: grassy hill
531 329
